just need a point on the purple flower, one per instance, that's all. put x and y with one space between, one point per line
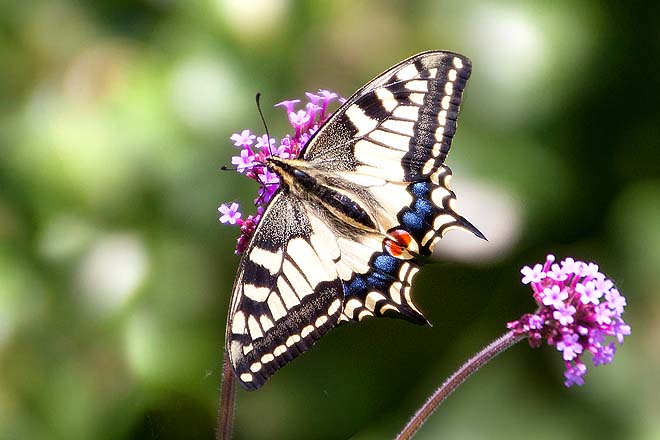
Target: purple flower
327 98
247 229
557 273
327 95
582 330
299 119
284 151
534 275
595 337
589 270
230 214
266 193
579 309
268 178
312 110
244 139
570 266
615 301
588 293
263 143
620 329
305 137
313 99
603 284
564 314
288 105
574 374
553 296
244 161
252 160
602 314
604 355
569 346
535 322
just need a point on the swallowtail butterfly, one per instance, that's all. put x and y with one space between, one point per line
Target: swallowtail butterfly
339 240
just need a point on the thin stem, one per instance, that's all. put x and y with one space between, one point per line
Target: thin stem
227 402
471 366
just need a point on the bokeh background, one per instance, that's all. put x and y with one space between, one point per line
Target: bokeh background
115 273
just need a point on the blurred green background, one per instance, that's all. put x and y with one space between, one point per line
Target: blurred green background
115 273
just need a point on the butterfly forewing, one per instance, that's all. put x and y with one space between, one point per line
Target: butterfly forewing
399 124
308 268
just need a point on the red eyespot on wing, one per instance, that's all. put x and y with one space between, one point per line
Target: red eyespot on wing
399 242
392 248
401 237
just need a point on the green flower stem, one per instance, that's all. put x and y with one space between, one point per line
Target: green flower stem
471 366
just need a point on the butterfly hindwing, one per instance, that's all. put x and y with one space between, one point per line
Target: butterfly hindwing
383 290
375 283
287 294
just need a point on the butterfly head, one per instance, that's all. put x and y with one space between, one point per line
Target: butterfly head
291 172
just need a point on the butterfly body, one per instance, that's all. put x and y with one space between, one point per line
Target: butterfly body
322 188
340 238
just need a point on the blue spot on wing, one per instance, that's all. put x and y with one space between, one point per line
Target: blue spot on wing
424 208
420 190
413 223
384 271
386 263
358 284
418 218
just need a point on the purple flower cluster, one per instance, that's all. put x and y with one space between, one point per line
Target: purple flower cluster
578 309
252 157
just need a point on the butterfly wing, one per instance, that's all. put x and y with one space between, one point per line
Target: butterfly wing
287 294
390 140
412 108
303 272
386 146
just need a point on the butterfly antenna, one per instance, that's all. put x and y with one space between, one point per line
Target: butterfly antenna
264 122
270 152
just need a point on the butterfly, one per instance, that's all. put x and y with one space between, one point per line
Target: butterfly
341 238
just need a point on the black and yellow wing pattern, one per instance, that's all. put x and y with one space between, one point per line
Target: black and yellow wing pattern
340 239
